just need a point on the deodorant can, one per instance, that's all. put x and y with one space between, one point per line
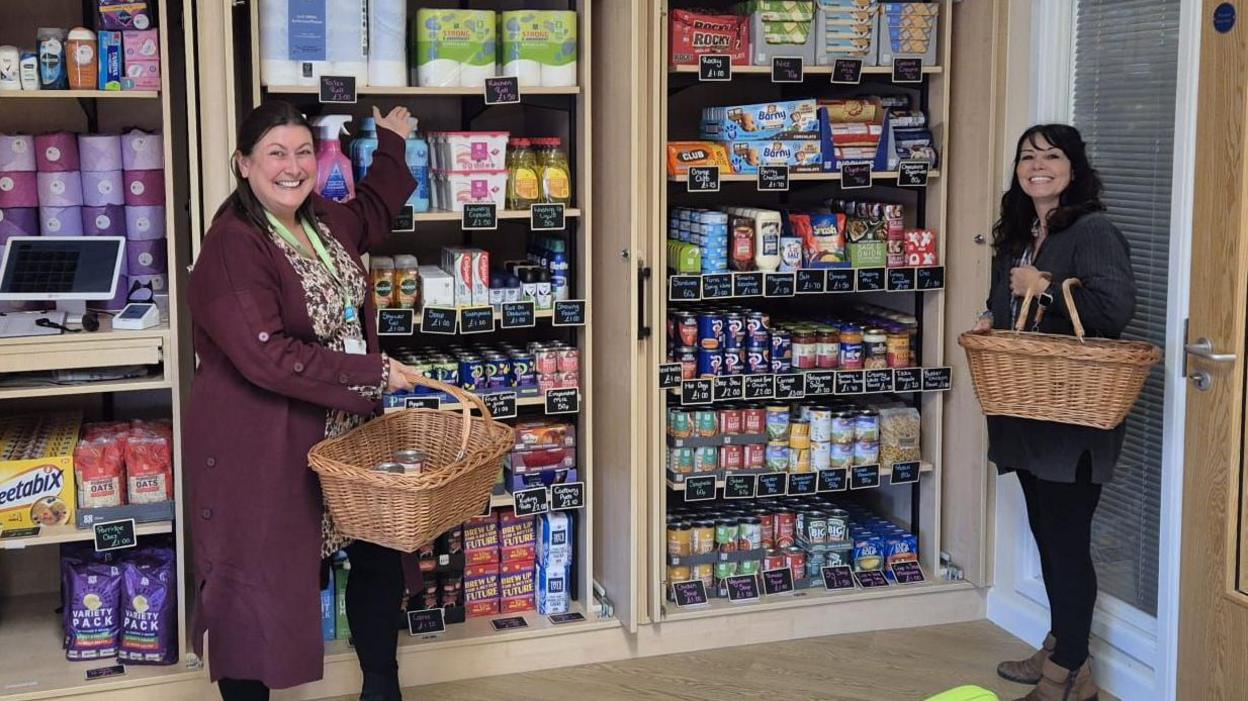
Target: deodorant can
10 69
52 73
81 53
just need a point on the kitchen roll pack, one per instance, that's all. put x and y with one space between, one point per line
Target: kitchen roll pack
387 43
539 47
144 188
102 188
454 48
301 40
61 221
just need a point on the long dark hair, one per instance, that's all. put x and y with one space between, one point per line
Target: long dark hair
1012 233
268 115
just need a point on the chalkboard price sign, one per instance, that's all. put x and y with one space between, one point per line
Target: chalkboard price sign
512 622
684 288
773 178
425 401
907 70
502 405
774 484
338 89
694 392
850 382
855 176
566 400
729 388
820 382
715 68
810 281
742 588
547 217
669 375
717 286
562 618
900 279
691 593
787 69
833 480
871 280
531 501
703 178
740 486
425 622
479 217
700 488
904 473
567 496
778 581
907 572
908 380
476 320
570 312
841 280
502 91
406 220
760 386
440 320
105 672
937 379
747 285
877 381
847 71
115 535
838 577
519 315
780 285
802 483
864 477
14 533
931 278
913 173
396 322
790 386
873 579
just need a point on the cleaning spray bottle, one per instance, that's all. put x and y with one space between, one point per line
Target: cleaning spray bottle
333 169
418 162
363 146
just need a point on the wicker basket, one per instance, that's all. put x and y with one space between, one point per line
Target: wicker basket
1051 377
404 512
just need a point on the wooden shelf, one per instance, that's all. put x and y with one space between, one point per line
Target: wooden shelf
81 94
52 535
70 351
884 478
520 401
830 177
138 384
35 666
815 596
477 630
504 214
382 91
806 70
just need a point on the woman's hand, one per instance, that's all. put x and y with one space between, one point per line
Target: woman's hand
395 120
1027 277
982 326
399 377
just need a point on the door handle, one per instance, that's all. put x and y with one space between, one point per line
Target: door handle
643 282
1203 348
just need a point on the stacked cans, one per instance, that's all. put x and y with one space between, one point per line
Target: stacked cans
541 365
714 341
736 420
701 230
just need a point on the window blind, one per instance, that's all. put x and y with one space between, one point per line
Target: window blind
1123 101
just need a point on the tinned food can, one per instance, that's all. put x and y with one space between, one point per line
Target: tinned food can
730 422
680 460
816 532
679 423
757 357
749 533
777 456
523 372
705 423
838 526
710 361
786 527
734 330
795 558
724 570
726 535
754 420
711 330
731 457
413 461
778 422
688 359
705 459
767 522
774 560
843 428
754 456
734 361
820 455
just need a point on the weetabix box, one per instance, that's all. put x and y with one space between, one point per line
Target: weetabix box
37 469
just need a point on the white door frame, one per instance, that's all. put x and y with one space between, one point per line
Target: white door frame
1136 655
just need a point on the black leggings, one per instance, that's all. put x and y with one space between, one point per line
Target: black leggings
374 598
1060 515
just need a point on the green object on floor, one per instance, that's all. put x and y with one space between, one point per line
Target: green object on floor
965 693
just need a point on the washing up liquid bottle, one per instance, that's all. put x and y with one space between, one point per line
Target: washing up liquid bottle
333 169
418 162
363 146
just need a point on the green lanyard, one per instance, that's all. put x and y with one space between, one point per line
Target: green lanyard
349 311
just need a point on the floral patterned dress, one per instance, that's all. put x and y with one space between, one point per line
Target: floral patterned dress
327 309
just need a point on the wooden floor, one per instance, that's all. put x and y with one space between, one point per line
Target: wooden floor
890 665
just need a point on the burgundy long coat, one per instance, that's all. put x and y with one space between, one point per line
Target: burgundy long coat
258 404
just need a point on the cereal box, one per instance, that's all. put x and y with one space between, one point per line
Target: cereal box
516 586
37 469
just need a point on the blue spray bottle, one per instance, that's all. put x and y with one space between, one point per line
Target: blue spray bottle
363 146
418 162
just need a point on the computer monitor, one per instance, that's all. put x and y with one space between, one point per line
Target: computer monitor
68 270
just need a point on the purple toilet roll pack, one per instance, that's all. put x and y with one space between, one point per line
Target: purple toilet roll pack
104 221
145 223
19 189
19 222
145 257
57 152
60 221
144 188
103 188
142 151
17 153
99 152
60 189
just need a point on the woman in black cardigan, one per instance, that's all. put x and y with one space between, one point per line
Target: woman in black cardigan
1053 227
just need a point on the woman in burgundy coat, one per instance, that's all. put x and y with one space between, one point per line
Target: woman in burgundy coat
287 342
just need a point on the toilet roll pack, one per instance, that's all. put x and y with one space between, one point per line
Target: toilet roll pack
65 184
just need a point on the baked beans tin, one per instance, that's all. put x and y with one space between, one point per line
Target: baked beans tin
786 527
711 330
820 455
795 558
730 422
754 456
777 456
710 362
778 422
749 533
754 420
842 428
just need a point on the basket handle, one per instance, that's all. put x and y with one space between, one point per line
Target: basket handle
467 402
1067 285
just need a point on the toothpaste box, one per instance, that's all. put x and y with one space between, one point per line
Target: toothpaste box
437 287
554 539
553 595
480 277
799 156
111 70
516 585
481 589
458 263
37 469
793 119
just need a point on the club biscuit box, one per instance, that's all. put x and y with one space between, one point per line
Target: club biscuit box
37 469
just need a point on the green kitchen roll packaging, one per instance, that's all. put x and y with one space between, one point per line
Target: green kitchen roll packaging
454 48
539 47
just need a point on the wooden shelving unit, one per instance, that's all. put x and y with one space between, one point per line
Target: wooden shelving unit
504 215
415 91
32 661
808 70
814 177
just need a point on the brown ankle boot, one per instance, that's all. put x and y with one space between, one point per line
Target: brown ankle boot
1060 684
1028 671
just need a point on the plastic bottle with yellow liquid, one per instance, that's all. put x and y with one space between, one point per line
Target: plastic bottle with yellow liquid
555 174
523 186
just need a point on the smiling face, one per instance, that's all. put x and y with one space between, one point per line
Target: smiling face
1043 170
281 169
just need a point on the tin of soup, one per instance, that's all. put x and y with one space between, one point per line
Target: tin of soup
795 558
